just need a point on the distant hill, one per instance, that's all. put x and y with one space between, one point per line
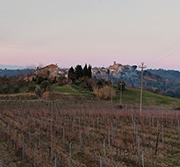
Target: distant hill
9 73
165 82
11 67
168 74
14 70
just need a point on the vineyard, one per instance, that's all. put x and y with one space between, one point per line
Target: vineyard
79 132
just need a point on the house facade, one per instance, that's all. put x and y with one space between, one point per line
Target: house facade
50 72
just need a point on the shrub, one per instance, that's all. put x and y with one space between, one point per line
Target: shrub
1 91
31 86
104 93
38 92
123 85
40 79
5 88
62 81
99 84
45 85
16 89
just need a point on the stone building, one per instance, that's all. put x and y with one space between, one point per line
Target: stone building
50 72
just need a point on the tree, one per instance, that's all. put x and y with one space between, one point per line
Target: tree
38 92
78 72
170 93
21 81
45 85
5 88
108 72
85 70
89 71
134 67
40 79
16 88
178 93
99 84
5 79
61 80
71 74
123 85
31 86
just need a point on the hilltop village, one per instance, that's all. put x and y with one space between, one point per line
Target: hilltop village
114 72
131 75
52 71
165 82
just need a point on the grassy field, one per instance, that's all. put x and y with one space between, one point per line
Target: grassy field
65 89
132 96
75 90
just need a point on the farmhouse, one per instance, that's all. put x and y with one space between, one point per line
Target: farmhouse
50 72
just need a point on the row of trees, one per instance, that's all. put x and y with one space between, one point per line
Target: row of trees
11 84
78 72
18 84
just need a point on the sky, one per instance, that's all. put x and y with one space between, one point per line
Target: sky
96 32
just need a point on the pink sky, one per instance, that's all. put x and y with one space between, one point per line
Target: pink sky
69 32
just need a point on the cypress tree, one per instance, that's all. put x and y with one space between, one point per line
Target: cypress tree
85 70
89 71
71 74
78 71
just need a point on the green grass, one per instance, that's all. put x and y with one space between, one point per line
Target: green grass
83 91
64 89
132 96
75 90
23 89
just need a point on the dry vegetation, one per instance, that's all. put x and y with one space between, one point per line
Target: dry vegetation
20 96
44 132
104 93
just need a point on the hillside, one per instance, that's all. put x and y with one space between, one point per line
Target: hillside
64 89
9 72
132 96
11 67
168 74
164 82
